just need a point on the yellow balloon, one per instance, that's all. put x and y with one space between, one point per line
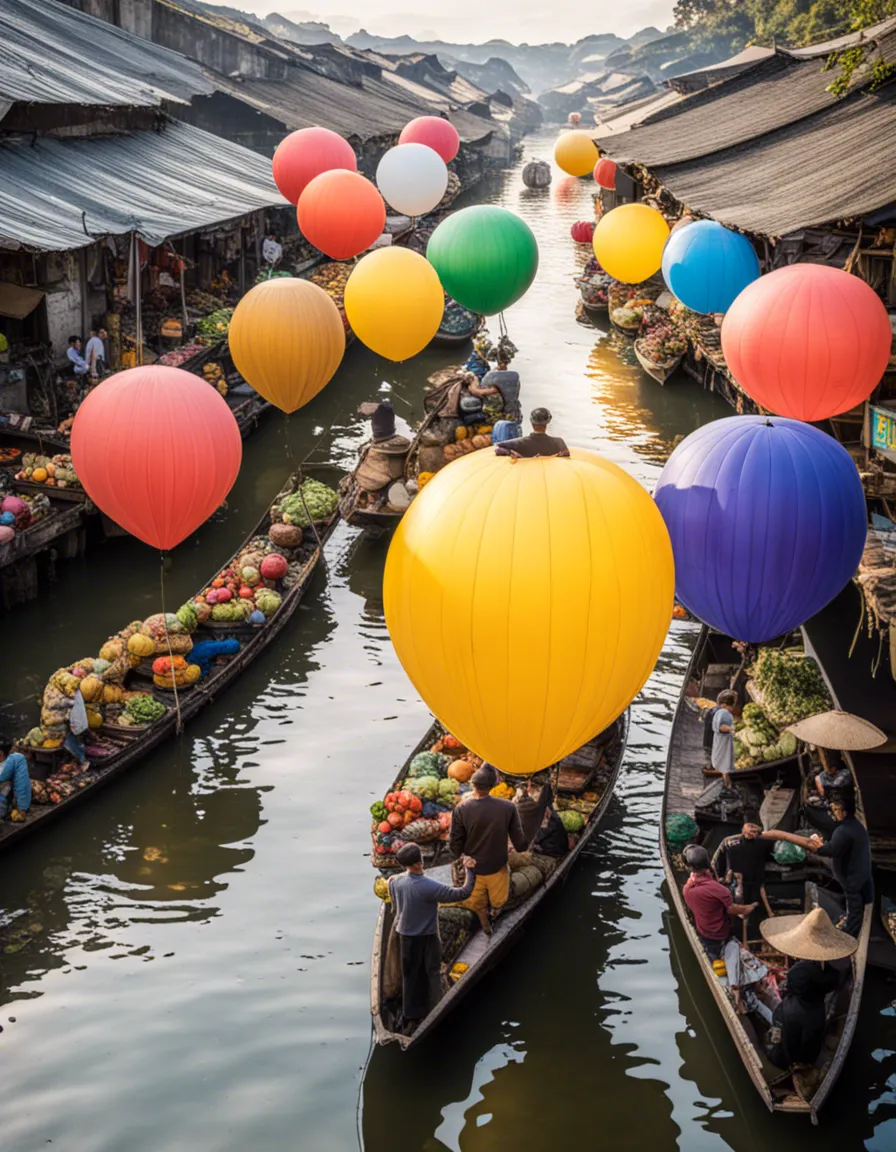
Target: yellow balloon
576 153
629 240
287 339
528 601
394 302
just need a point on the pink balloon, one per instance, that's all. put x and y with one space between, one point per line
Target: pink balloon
435 133
157 449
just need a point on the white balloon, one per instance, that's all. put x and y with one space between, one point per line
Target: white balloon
412 179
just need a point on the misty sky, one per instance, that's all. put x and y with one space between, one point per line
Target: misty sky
474 21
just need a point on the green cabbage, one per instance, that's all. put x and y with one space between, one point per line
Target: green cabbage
448 788
320 500
426 787
787 742
268 601
428 764
572 821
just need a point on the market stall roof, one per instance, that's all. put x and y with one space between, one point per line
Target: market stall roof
701 77
61 194
53 54
626 116
783 182
17 302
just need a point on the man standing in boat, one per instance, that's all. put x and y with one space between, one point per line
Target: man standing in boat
416 899
849 851
537 443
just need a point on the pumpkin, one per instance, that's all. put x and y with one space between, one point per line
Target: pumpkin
192 673
112 650
140 645
484 430
92 689
94 718
246 593
112 694
424 478
285 535
461 771
274 567
164 664
39 475
460 433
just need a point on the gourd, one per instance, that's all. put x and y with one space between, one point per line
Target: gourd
39 475
460 433
485 430
274 567
94 718
461 771
35 737
112 650
424 478
141 645
188 616
92 689
192 673
572 821
112 694
285 535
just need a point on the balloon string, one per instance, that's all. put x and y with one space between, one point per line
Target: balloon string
180 723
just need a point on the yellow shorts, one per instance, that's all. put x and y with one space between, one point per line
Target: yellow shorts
491 890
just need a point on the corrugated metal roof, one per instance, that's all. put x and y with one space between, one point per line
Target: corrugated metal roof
62 194
837 164
53 54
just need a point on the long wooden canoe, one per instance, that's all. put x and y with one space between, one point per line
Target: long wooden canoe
654 369
480 952
194 699
715 664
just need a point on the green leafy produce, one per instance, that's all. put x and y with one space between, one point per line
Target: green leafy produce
216 324
791 685
739 749
448 789
320 500
378 811
788 743
428 764
144 709
572 821
426 787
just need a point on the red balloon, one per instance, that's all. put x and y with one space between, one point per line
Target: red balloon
807 341
605 174
305 154
435 133
582 231
157 449
341 213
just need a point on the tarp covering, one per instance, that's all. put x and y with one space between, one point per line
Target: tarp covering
52 54
57 195
18 302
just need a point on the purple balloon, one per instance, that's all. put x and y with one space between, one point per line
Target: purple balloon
767 519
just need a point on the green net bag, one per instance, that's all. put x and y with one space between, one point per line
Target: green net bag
680 828
786 853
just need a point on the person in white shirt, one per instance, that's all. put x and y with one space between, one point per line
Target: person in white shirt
75 358
95 353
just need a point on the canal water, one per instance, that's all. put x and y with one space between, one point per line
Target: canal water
184 961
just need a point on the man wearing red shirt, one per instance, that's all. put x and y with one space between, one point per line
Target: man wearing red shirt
712 907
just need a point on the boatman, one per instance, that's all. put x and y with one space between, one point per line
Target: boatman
416 899
537 443
849 851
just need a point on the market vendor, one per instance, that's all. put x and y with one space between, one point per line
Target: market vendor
849 851
15 780
74 357
499 391
95 352
537 443
532 803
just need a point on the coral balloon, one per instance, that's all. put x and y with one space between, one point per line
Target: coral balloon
575 152
435 133
486 257
157 449
394 302
341 213
628 242
515 609
707 266
807 341
305 154
582 231
767 520
287 339
605 174
412 178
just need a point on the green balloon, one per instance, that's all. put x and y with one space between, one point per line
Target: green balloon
486 257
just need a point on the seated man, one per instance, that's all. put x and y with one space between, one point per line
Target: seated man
15 779
532 802
416 899
712 907
552 839
537 443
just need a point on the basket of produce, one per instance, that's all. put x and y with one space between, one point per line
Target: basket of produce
56 473
213 374
789 686
757 741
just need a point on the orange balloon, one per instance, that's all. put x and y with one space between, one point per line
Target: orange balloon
287 339
341 213
157 449
305 154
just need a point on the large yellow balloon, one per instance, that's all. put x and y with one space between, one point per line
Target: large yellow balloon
287 339
576 153
394 302
629 241
528 601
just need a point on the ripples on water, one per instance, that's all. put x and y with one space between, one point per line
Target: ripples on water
186 958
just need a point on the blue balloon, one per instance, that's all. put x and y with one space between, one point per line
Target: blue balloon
767 520
707 266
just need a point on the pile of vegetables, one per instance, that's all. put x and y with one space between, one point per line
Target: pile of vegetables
167 633
216 324
466 443
213 374
313 499
791 685
333 277
242 589
663 343
54 471
172 672
758 741
142 708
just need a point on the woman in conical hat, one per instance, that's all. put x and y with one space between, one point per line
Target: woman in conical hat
797 1034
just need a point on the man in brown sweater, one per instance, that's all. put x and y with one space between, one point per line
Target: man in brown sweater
481 827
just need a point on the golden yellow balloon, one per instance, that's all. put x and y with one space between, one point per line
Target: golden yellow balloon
287 339
629 240
394 302
528 601
576 153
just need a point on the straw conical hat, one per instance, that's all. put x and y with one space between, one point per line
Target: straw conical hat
810 936
840 730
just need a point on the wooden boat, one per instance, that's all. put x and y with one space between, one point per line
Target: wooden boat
716 664
480 952
659 372
134 749
457 339
62 519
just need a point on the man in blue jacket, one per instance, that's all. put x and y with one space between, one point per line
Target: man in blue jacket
416 899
